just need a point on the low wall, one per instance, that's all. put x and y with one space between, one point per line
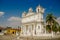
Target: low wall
38 35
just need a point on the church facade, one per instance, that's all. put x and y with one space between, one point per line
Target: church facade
33 23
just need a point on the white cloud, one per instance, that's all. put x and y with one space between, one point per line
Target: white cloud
14 22
14 19
1 14
58 20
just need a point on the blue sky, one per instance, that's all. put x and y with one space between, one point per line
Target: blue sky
14 8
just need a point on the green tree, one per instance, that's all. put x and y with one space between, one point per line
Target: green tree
55 26
48 28
59 29
51 20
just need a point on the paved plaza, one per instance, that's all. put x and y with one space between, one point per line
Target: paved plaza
9 37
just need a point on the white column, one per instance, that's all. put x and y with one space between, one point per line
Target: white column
34 30
45 29
24 30
28 33
31 30
52 33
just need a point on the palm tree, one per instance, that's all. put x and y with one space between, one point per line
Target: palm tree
55 26
59 29
50 20
48 28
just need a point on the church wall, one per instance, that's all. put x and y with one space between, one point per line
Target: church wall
32 22
35 17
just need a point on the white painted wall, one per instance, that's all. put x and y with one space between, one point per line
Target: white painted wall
35 17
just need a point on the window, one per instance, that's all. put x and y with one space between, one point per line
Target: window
32 27
26 27
38 10
13 32
38 27
35 31
0 30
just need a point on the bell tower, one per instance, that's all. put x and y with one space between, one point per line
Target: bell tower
39 9
40 25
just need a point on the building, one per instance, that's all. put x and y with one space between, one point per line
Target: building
1 30
12 31
32 22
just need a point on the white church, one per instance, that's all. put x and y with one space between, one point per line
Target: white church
33 23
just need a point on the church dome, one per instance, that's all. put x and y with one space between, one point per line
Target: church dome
24 14
30 12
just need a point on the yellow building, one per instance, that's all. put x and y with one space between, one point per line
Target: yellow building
12 31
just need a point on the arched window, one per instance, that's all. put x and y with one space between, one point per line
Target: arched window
35 31
32 27
26 27
38 27
38 10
